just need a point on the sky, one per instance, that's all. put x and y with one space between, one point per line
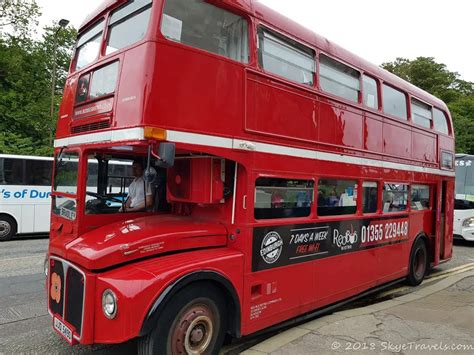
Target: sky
377 30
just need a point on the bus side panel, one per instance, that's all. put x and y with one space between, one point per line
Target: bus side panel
42 217
449 220
28 218
344 275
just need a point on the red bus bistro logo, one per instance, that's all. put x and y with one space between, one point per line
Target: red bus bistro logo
271 248
345 241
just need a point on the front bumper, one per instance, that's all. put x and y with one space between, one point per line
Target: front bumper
466 233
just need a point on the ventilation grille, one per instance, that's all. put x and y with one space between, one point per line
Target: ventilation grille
95 126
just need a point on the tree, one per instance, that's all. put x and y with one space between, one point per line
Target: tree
21 16
458 94
25 89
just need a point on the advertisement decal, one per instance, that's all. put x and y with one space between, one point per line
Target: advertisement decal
275 246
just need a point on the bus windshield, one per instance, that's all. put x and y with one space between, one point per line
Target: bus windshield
465 178
116 184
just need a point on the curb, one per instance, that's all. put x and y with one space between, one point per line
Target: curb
279 340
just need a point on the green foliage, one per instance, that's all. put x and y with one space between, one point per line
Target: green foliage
439 81
26 68
20 16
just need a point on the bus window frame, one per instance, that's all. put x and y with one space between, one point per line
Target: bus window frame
448 120
407 103
104 19
412 115
379 183
250 35
91 73
379 94
282 220
407 209
261 27
79 171
358 210
360 96
431 191
109 25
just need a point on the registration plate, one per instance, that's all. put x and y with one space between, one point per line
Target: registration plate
63 329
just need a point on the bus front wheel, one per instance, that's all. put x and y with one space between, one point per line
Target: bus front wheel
7 228
418 263
192 322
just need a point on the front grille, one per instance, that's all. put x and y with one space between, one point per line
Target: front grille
66 293
95 126
74 298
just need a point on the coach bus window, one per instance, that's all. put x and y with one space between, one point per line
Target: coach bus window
370 92
337 197
394 102
280 57
439 121
19 171
88 45
128 24
369 197
282 198
420 197
207 27
395 197
421 113
339 79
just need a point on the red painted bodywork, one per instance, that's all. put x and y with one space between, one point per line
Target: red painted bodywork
172 86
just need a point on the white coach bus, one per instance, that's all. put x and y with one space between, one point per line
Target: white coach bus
464 203
25 194
25 191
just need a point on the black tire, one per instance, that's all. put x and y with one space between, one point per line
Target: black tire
199 311
8 228
418 263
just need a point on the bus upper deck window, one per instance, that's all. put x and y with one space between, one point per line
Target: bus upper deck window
421 113
128 24
394 102
207 27
439 121
88 45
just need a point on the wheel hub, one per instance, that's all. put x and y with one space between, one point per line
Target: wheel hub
197 334
5 228
193 332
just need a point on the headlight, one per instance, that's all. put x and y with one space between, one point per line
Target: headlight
469 222
109 304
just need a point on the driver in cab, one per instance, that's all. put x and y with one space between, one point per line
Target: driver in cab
136 200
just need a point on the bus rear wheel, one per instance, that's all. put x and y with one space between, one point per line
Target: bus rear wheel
7 228
418 263
192 322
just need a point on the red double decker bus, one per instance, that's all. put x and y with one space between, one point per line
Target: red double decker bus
260 173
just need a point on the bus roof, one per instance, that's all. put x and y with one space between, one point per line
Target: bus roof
301 33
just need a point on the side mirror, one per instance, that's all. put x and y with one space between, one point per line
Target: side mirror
166 154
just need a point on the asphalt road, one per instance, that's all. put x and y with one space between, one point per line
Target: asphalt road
25 326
